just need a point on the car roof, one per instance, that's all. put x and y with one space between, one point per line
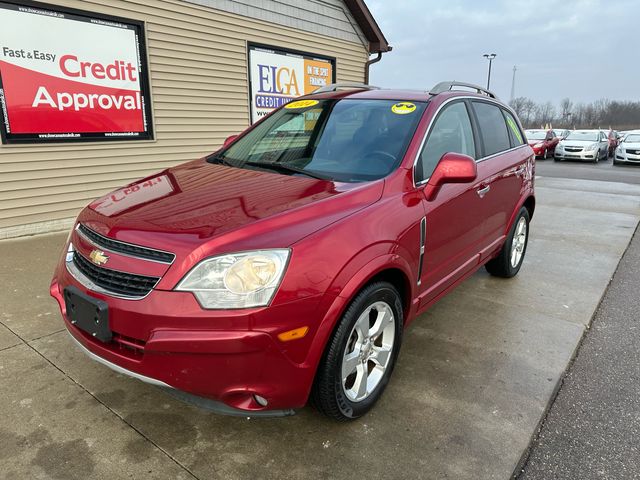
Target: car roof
397 94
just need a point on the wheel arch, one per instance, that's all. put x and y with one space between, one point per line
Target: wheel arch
528 202
390 267
530 205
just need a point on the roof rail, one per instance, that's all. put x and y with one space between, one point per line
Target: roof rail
447 86
344 86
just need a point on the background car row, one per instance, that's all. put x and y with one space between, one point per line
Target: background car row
586 145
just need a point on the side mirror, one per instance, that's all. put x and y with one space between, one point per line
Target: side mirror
229 140
452 168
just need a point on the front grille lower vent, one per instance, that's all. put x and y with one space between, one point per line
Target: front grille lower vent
120 283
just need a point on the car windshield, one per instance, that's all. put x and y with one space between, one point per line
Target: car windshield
584 136
632 138
345 140
536 134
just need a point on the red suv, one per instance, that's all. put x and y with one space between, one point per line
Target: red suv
288 264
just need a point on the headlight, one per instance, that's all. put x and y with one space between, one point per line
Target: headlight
560 147
237 280
592 147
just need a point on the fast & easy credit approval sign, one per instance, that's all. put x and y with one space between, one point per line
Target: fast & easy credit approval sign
278 76
70 75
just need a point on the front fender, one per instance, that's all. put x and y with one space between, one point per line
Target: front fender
336 302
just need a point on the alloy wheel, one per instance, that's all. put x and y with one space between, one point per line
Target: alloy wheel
368 351
519 242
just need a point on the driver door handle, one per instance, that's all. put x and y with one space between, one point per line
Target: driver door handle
483 191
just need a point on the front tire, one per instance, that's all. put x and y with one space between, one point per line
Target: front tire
508 262
361 354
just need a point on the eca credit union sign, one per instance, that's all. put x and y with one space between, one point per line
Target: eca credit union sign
277 76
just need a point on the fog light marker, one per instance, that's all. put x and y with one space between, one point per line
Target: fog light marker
293 334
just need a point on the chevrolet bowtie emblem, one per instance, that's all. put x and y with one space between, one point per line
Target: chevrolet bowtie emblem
98 257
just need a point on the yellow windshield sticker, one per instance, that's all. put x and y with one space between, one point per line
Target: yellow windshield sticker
514 128
301 104
402 108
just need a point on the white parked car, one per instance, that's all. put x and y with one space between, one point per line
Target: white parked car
629 149
590 145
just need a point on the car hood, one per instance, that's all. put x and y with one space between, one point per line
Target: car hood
631 146
534 142
204 208
578 143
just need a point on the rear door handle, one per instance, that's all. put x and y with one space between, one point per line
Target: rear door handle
483 191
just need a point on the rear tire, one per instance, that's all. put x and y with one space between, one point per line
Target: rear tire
508 262
360 356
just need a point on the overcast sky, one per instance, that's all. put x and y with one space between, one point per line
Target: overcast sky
582 49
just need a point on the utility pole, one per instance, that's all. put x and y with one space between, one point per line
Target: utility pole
513 83
490 57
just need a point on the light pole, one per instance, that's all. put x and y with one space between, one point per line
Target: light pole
490 57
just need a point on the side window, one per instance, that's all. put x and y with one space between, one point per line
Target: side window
451 132
493 128
514 131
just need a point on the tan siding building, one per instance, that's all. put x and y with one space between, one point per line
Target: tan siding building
199 88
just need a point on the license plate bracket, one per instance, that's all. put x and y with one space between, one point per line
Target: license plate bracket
88 313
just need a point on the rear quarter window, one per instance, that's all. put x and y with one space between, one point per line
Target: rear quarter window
517 138
493 128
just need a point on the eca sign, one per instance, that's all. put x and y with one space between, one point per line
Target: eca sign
68 75
278 76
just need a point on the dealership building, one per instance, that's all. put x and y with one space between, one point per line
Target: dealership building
97 94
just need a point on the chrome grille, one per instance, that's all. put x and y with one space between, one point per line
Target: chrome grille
124 248
120 283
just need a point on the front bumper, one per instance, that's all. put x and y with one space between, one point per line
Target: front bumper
564 155
627 158
166 339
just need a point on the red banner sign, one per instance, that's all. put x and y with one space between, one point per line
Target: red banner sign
67 75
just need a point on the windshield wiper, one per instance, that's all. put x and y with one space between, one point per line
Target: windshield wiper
221 160
281 167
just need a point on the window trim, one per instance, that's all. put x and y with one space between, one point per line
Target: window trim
437 116
501 108
468 98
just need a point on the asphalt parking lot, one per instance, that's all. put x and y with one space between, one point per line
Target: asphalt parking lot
474 378
602 171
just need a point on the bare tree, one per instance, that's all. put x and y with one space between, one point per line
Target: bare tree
566 109
601 113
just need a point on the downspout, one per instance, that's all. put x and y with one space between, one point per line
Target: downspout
371 62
